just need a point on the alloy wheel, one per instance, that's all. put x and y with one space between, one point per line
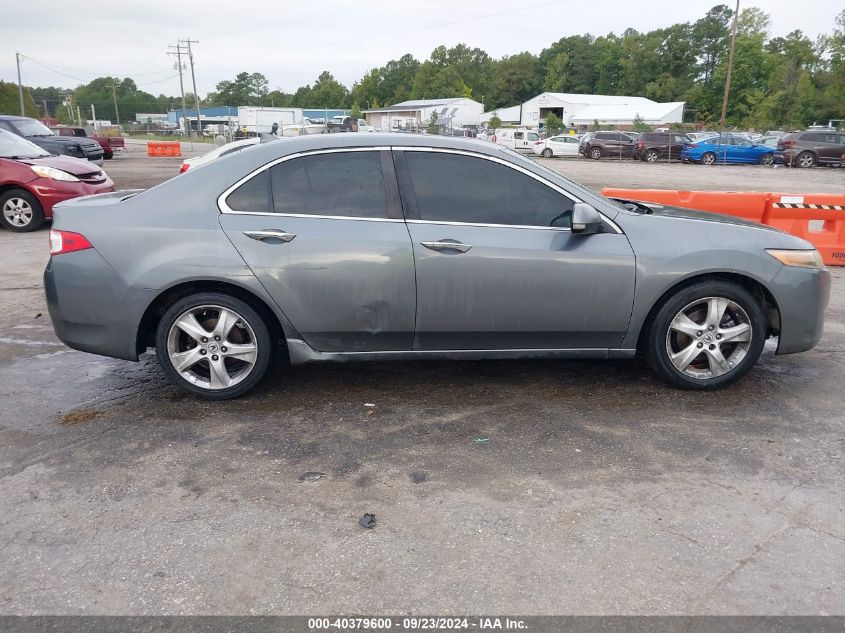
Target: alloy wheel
212 347
806 159
651 156
709 158
767 159
18 212
709 337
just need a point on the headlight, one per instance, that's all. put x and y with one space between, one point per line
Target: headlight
53 174
799 258
74 148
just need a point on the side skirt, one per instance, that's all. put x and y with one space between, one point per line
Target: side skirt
300 352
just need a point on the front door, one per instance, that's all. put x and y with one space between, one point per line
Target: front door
324 235
497 265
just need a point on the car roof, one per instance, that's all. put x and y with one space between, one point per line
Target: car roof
13 117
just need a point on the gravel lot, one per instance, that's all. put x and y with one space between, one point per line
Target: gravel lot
539 487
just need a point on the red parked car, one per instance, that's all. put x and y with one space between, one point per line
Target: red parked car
32 181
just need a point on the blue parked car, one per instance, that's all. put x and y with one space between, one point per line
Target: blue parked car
728 148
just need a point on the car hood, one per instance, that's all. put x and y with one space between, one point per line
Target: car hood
75 166
707 216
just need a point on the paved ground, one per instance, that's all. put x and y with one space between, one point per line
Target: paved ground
522 487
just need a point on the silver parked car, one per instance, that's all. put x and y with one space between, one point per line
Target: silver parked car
368 247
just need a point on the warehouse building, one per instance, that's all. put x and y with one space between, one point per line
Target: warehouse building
414 115
579 110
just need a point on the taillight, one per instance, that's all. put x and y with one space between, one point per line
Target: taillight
787 144
184 168
539 142
640 145
62 242
493 138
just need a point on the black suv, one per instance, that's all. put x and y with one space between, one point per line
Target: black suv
611 144
813 147
41 135
652 146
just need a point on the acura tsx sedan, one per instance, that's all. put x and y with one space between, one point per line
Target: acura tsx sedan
371 247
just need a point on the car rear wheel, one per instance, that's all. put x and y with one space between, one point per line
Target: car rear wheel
651 156
213 345
20 211
706 335
108 154
595 153
547 153
767 159
708 158
805 159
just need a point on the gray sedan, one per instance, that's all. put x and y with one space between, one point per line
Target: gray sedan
370 247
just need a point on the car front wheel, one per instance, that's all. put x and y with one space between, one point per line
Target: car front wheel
213 345
20 211
706 335
767 159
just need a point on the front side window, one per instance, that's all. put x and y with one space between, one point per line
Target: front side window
346 184
458 188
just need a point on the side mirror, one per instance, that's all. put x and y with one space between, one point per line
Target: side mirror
585 219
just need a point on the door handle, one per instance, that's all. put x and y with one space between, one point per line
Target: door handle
270 234
447 245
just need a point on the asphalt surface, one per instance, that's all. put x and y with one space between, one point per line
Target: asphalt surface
539 487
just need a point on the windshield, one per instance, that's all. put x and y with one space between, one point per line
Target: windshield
31 127
13 146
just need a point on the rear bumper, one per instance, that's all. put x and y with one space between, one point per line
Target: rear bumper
52 192
91 308
802 296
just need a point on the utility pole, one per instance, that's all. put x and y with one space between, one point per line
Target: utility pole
116 111
730 69
178 55
94 117
189 41
20 85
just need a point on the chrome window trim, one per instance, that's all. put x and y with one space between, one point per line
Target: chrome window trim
224 208
504 163
493 226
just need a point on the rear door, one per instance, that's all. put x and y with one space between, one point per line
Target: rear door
497 264
323 232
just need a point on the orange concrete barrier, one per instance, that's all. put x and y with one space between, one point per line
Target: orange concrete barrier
746 205
164 148
818 218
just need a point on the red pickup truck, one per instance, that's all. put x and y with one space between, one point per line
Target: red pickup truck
109 143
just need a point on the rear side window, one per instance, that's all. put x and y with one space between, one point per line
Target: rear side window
253 196
346 184
458 188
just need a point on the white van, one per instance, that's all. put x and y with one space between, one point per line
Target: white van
519 139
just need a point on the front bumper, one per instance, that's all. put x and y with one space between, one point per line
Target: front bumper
802 296
91 307
52 192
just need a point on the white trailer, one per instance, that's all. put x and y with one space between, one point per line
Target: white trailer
260 120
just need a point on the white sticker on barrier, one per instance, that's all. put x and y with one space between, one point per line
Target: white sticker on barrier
792 199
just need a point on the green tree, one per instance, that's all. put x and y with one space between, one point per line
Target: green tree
640 125
355 111
327 92
10 100
433 128
495 122
516 78
553 123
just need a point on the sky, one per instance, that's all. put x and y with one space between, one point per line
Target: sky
292 42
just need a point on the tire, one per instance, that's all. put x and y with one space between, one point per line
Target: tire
595 153
547 153
805 160
108 154
243 327
20 211
708 158
669 335
651 156
767 159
